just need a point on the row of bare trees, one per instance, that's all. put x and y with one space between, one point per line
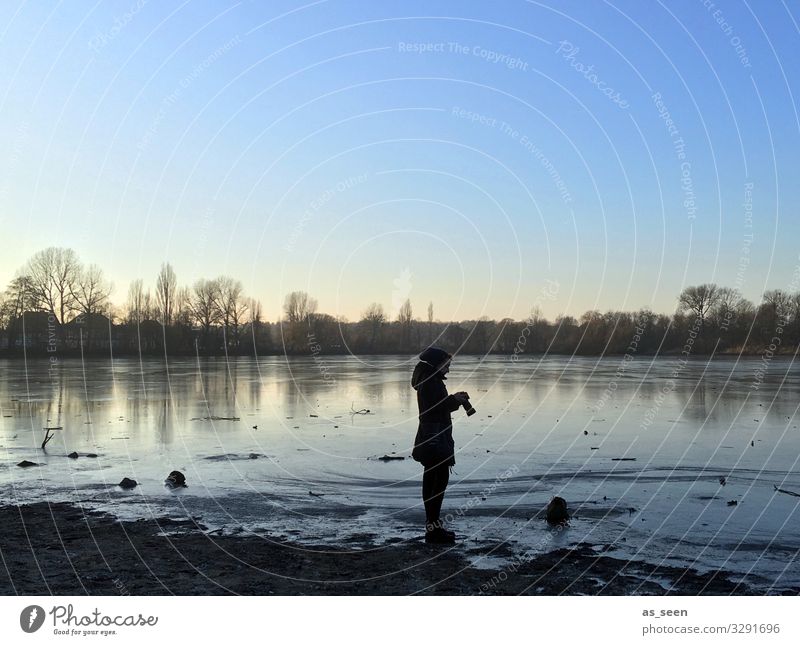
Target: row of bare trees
735 319
725 322
215 315
55 282
209 306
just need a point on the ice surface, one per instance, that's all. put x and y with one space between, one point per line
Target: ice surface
680 431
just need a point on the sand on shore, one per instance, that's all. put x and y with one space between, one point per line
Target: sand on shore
60 548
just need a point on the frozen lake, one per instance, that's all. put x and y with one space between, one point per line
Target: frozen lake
637 449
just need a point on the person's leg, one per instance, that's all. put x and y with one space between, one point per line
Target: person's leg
442 479
428 487
434 483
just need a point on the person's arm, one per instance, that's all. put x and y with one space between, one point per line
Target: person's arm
452 401
435 397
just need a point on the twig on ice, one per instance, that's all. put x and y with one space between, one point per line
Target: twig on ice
787 492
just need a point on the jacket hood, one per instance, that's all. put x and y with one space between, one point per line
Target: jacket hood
428 367
434 356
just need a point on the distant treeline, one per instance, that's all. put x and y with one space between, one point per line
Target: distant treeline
56 305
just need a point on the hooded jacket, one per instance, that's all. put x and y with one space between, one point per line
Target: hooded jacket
434 441
435 404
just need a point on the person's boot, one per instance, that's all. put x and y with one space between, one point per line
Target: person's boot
440 536
435 533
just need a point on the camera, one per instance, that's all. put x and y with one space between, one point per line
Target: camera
468 406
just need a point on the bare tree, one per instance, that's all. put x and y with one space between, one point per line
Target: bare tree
232 308
374 318
794 318
778 303
17 299
91 291
53 273
699 300
140 305
255 318
255 311
183 309
135 314
430 323
204 308
299 307
8 316
405 317
773 313
726 307
166 288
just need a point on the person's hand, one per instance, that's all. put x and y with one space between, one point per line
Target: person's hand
461 397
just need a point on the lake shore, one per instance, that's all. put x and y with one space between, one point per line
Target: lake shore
62 549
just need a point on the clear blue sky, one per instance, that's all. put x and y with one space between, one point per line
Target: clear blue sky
459 152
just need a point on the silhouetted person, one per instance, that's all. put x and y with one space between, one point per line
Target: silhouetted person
433 445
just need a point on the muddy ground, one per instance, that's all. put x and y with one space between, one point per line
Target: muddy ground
62 549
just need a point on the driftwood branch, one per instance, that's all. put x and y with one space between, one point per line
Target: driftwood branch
47 436
787 492
361 411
